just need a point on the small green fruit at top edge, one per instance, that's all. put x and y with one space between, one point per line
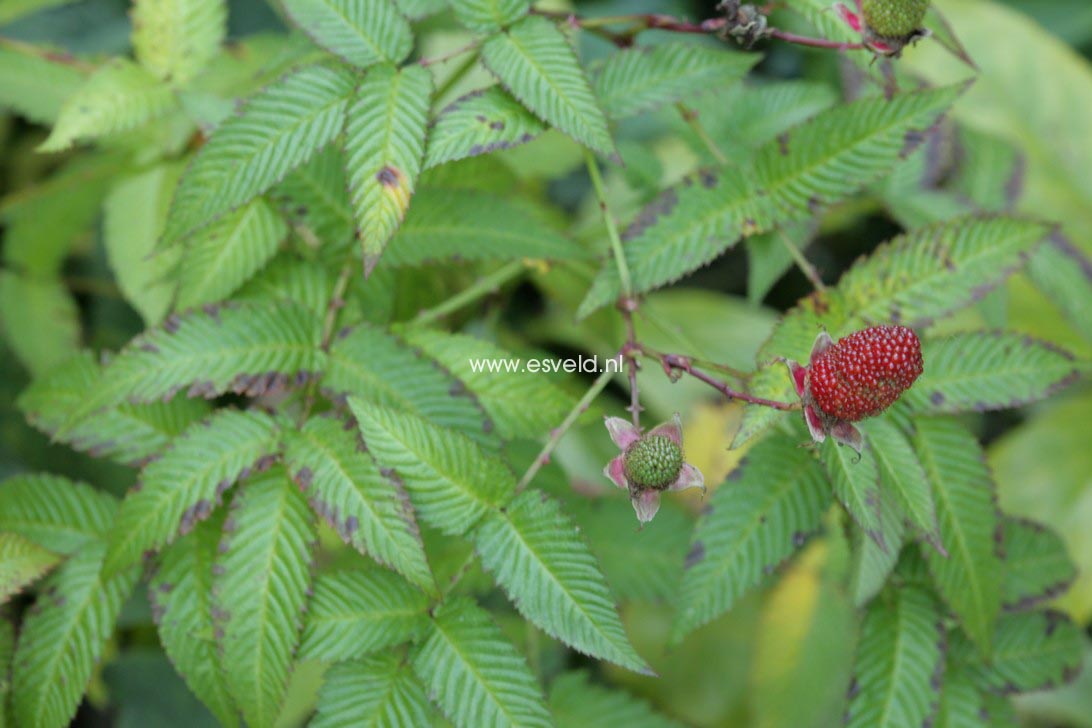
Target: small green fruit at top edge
894 18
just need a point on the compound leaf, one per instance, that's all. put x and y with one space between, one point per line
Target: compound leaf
363 32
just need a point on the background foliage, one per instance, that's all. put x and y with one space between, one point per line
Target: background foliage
244 483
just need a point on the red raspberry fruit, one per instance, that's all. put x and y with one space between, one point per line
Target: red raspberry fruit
864 373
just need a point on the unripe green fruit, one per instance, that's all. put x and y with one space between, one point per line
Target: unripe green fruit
653 462
894 18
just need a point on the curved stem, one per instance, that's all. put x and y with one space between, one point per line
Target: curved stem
481 287
675 362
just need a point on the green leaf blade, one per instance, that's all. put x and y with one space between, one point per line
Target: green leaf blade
385 135
488 16
363 33
377 692
900 659
451 481
534 61
474 674
182 604
749 528
118 97
264 568
181 489
1037 565
354 613
533 551
221 258
54 512
368 510
61 642
22 562
969 578
503 398
177 39
280 128
480 122
248 348
984 371
636 80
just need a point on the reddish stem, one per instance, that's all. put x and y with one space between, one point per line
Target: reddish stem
630 351
675 362
814 42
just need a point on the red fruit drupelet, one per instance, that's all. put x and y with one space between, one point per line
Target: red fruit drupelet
864 373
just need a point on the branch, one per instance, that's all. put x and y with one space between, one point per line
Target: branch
481 287
580 408
677 363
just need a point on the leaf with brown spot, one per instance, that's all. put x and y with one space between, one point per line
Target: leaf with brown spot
385 133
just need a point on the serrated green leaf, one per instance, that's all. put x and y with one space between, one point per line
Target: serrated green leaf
22 562
478 123
183 487
575 702
474 674
223 257
134 213
370 511
280 128
54 512
466 225
504 398
129 433
635 80
640 565
919 277
377 692
982 371
246 348
1037 565
1032 651
856 482
385 136
913 280
869 565
315 199
820 162
371 363
903 477
900 659
488 16
961 703
750 526
64 637
263 572
35 82
418 9
363 32
39 320
118 97
452 482
354 613
45 221
534 61
182 604
969 578
289 278
1064 275
176 39
535 553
